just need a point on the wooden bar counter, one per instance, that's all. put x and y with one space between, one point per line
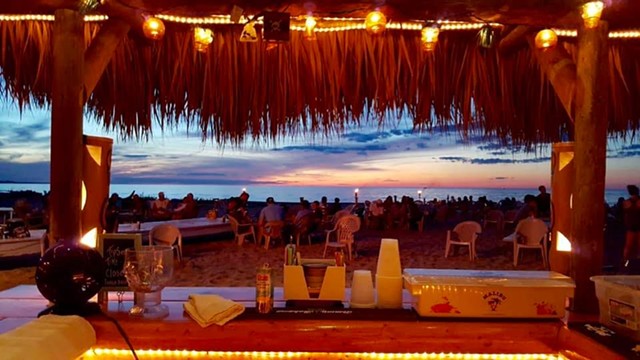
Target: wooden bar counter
338 330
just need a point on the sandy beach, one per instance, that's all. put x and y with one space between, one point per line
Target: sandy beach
221 262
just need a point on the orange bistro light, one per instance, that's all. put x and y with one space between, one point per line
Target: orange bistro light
429 37
375 22
202 38
153 28
310 28
591 13
546 39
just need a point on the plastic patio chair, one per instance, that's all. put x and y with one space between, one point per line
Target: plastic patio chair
495 217
463 234
167 234
531 233
344 229
241 231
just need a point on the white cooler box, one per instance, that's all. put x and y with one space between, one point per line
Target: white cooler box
492 294
619 300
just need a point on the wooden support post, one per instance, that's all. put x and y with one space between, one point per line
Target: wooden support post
101 50
590 162
66 125
561 72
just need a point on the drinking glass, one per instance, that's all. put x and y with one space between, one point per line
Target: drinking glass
148 270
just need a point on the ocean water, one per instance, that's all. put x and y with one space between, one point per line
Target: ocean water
293 193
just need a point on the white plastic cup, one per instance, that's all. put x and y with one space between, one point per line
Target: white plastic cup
362 293
389 291
389 259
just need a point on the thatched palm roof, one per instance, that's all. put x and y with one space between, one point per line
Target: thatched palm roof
239 90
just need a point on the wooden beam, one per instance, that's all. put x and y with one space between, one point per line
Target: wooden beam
99 53
66 125
514 39
590 163
560 70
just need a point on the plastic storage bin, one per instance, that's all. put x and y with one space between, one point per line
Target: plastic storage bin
492 294
619 300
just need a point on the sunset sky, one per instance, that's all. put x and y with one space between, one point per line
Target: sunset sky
366 156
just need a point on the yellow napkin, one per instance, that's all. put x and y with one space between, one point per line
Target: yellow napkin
70 336
212 309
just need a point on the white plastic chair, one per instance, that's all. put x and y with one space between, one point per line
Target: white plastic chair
531 233
510 218
272 230
495 217
464 234
345 227
240 232
167 234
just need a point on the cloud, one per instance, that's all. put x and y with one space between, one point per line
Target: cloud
501 178
314 148
498 153
366 137
135 156
491 161
454 158
631 147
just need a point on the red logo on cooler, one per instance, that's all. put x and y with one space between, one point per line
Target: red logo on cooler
444 308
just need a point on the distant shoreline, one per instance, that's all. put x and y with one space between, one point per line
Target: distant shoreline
285 193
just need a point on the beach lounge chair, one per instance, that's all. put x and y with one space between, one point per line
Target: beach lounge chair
241 231
464 234
344 229
167 234
531 233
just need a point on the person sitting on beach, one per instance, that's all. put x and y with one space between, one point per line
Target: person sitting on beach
160 208
244 199
544 202
335 207
187 209
376 214
111 213
138 208
270 213
305 210
631 208
530 208
237 211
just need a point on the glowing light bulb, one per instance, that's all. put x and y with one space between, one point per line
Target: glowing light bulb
310 28
202 38
375 22
591 13
429 37
546 39
153 28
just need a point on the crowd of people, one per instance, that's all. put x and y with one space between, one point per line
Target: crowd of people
135 209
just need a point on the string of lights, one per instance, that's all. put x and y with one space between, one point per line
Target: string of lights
375 22
191 354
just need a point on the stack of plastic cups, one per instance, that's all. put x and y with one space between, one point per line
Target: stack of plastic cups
362 294
389 275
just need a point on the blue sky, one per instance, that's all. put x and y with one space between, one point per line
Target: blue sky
361 156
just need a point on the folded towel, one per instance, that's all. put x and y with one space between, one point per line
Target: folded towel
212 309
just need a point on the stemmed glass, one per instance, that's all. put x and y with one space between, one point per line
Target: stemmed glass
148 270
